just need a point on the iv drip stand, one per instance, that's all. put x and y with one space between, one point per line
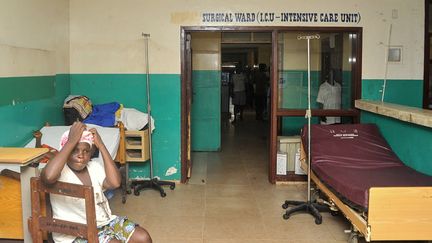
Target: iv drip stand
308 206
153 182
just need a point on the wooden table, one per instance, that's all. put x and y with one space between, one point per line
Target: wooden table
23 157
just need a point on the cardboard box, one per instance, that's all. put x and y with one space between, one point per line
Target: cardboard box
289 145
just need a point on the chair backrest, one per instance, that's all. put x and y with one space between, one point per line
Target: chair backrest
41 222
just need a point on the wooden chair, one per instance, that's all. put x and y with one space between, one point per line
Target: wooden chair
41 222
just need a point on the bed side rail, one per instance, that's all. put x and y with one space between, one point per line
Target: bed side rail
354 217
400 213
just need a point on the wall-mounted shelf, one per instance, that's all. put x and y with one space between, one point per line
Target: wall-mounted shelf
137 146
410 114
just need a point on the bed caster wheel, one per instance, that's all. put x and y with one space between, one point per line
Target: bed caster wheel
286 216
334 213
163 194
315 195
136 193
353 238
285 206
172 187
318 221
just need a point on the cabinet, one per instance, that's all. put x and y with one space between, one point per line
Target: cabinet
137 146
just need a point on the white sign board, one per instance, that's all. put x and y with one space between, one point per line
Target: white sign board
281 164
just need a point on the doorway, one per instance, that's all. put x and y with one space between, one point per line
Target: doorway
242 57
214 57
286 70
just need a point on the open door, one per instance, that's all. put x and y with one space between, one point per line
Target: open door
188 59
201 75
186 103
206 84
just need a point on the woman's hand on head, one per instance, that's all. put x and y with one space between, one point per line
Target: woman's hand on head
76 132
97 140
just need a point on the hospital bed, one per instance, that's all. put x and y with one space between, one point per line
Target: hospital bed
356 169
11 226
111 136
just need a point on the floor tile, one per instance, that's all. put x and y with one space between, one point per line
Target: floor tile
229 199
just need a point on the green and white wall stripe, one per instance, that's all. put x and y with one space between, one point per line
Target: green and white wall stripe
80 39
34 67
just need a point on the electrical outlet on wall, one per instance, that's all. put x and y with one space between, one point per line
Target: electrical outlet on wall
395 13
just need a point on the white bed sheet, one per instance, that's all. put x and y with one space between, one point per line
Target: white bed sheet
51 136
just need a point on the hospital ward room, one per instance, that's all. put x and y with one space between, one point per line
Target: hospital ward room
216 121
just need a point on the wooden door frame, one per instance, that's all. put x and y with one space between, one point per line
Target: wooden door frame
426 66
275 113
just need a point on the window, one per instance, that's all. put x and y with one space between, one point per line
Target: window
331 62
334 74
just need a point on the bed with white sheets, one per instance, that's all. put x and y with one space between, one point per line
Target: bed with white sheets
51 135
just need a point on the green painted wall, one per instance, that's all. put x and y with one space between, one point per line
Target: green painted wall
412 143
27 103
295 87
206 113
130 90
347 90
403 92
292 125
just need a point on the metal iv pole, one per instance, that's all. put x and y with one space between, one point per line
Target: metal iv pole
308 206
153 182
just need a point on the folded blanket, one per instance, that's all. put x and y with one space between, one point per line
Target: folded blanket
134 119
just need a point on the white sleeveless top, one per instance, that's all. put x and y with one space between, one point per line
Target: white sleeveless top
73 209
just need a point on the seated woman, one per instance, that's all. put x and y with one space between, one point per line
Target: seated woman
72 164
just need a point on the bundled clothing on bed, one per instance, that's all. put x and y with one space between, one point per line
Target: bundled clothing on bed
103 114
108 114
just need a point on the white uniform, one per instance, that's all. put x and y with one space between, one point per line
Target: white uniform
330 96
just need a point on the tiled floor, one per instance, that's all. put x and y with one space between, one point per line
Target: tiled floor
229 199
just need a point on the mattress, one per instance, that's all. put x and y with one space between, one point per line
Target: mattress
352 158
51 136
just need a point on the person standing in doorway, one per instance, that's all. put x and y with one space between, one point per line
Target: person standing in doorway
261 81
238 94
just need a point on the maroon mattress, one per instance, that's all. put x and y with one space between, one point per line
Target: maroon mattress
351 158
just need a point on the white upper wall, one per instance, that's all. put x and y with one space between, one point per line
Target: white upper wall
104 36
34 37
